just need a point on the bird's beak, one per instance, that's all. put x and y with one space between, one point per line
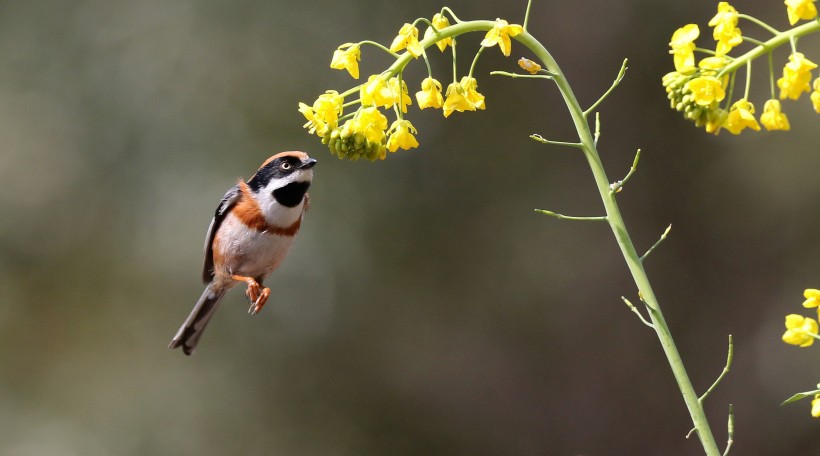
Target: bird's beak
307 164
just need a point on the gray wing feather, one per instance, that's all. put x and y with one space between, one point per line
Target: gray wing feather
228 201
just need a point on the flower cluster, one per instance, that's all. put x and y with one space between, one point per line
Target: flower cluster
801 331
364 132
702 90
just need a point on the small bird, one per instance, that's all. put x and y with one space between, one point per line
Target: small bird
250 234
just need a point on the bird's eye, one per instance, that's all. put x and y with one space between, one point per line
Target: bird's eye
285 166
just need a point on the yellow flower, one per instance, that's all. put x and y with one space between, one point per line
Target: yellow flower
529 65
725 32
347 58
324 114
470 85
402 136
456 100
741 116
799 330
361 136
463 96
430 94
372 123
796 76
715 120
800 9
815 406
815 96
705 90
772 118
376 92
439 22
713 63
683 47
500 34
812 296
399 92
408 37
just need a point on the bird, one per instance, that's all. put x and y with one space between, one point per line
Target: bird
250 234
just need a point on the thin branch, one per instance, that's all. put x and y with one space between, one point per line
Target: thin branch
380 46
615 83
638 313
725 371
527 15
617 186
548 75
543 140
656 244
597 128
571 217
731 430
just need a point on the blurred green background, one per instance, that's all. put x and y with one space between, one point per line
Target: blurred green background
425 308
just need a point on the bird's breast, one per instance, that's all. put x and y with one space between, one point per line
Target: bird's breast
244 250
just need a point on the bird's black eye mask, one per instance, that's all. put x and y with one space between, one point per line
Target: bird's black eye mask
276 169
291 195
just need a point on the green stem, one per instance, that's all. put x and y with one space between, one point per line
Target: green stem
757 21
616 222
775 42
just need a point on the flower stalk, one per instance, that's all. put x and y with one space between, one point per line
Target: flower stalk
631 256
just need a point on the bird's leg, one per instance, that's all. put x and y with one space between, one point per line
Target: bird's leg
256 306
257 294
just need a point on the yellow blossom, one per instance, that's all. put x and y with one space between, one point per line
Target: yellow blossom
408 38
376 92
713 63
362 136
347 58
500 34
772 118
800 9
401 136
399 91
812 296
715 120
324 114
800 330
456 100
796 76
705 90
463 96
430 94
683 47
372 123
815 406
741 116
815 96
470 86
529 66
439 21
725 32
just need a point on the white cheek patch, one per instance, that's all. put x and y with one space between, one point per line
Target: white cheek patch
278 214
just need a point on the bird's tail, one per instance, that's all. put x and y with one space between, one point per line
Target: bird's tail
189 333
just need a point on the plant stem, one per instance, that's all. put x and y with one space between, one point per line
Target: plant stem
616 222
777 41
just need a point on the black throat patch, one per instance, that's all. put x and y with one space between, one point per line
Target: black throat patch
291 195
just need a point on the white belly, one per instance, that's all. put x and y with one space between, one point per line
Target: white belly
248 252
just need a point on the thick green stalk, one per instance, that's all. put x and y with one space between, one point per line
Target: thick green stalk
768 46
632 258
613 214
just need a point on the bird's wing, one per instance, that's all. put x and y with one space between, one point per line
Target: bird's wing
228 201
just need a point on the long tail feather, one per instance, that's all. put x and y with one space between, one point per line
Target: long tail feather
189 333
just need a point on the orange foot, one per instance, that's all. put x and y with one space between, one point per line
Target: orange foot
257 297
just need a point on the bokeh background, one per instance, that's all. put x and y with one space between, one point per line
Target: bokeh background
425 308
